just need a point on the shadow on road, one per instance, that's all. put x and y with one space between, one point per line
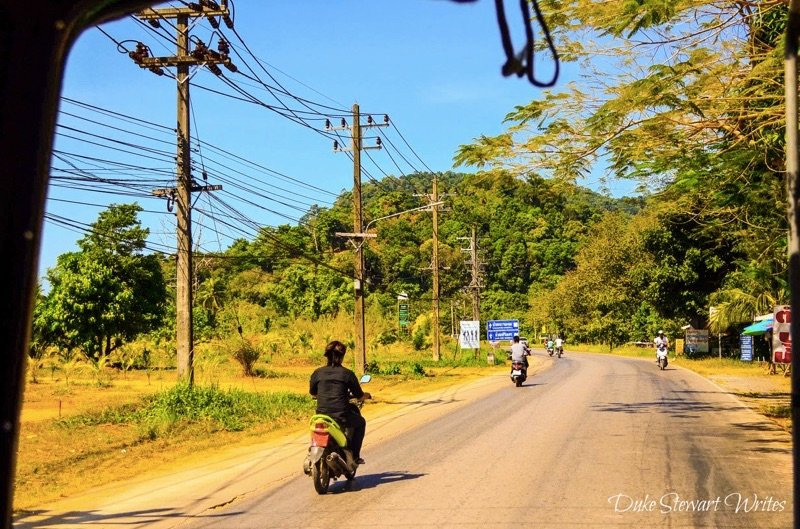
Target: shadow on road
370 481
422 402
43 518
673 406
532 385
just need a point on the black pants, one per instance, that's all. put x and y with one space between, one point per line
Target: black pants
355 427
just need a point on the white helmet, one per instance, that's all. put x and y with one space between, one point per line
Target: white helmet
660 332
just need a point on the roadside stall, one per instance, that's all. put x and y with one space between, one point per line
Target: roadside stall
757 348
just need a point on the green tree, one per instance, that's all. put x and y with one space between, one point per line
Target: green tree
107 293
688 101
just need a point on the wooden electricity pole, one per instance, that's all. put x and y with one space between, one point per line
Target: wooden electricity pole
358 230
475 284
182 193
358 227
436 343
433 203
183 304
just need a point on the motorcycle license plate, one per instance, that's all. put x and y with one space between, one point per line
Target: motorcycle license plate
516 373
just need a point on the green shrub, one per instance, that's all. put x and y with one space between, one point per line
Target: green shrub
417 370
372 367
231 410
387 337
418 340
246 354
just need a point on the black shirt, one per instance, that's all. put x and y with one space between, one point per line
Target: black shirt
333 386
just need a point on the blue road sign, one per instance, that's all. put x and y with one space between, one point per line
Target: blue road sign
497 330
746 346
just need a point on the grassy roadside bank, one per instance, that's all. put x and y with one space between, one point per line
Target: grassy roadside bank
81 435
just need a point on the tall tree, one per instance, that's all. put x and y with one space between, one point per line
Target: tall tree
685 97
107 293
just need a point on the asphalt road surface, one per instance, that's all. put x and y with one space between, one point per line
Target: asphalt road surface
595 441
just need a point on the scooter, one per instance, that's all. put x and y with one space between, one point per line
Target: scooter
519 373
329 457
661 353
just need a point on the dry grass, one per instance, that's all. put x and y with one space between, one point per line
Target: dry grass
59 458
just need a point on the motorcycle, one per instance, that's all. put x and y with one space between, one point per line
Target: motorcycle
519 373
661 354
550 350
559 350
329 457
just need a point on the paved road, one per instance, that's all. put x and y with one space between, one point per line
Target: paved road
596 441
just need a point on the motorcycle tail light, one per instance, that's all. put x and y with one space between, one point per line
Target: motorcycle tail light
320 435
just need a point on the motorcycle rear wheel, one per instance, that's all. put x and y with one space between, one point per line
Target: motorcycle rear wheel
321 476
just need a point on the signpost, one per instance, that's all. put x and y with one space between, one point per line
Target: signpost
497 330
403 311
697 340
781 338
746 347
470 335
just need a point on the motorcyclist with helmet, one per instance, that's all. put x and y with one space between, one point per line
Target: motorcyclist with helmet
661 342
333 385
519 352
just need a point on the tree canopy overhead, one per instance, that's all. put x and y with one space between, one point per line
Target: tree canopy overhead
686 98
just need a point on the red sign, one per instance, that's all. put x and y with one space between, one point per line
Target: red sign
781 335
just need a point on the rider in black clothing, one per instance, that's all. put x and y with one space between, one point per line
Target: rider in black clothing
333 386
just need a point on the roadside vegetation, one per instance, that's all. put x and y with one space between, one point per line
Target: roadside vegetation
83 428
78 433
700 133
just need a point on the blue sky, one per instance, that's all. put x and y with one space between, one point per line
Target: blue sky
432 65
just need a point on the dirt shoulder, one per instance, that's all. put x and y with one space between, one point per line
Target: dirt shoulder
769 396
163 498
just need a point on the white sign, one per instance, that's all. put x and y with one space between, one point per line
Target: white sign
470 335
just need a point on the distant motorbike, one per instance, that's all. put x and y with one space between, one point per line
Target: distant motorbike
329 457
559 351
550 350
661 354
519 373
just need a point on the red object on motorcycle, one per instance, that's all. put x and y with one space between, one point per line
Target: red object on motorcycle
320 436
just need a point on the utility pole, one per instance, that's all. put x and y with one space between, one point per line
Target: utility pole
793 194
475 283
181 195
358 227
433 201
436 346
358 230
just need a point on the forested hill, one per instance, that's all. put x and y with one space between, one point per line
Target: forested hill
687 100
528 233
558 257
